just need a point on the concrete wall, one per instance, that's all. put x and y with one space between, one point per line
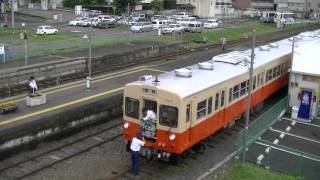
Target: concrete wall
27 135
16 76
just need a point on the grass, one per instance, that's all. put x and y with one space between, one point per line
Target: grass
12 36
237 33
252 172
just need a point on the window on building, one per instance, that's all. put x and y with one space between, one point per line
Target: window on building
132 108
168 116
201 109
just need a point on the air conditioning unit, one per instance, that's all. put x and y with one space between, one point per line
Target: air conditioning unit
183 72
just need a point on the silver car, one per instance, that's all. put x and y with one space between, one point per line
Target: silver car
142 27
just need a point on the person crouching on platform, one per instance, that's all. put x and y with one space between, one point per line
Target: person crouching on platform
137 142
32 86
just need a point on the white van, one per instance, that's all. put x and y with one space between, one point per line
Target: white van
158 23
181 15
286 18
194 26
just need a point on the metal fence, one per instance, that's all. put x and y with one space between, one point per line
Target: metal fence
301 164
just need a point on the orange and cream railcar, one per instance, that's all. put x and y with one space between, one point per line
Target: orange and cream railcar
195 102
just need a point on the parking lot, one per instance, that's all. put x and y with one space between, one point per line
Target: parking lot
289 146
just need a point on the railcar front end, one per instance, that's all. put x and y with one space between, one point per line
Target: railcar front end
164 135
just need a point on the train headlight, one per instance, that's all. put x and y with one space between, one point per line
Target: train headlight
126 125
172 137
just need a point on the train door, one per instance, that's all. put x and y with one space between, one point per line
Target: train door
188 121
148 127
223 103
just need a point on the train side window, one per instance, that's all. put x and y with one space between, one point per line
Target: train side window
261 80
269 75
243 87
201 109
230 95
236 92
188 111
274 74
279 70
282 68
258 80
254 82
209 105
216 104
132 107
168 116
222 98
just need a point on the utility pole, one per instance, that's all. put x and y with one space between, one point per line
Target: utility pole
90 57
245 133
129 20
12 14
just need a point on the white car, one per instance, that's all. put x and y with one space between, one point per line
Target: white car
46 30
76 22
211 23
141 27
172 28
107 18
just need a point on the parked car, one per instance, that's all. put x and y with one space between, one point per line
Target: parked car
76 22
105 24
211 23
141 27
107 18
158 23
172 28
194 26
123 20
43 30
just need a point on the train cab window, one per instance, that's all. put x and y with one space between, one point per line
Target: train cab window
222 98
132 107
254 82
209 105
216 104
188 111
201 109
168 116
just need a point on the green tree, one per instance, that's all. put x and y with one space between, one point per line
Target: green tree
156 5
169 4
122 5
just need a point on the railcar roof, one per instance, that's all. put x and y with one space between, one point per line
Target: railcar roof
226 66
306 55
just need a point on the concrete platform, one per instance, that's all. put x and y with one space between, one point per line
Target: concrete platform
66 106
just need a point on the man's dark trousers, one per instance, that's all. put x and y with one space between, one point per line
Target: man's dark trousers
135 162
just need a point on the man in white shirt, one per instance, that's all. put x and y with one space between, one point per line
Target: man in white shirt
32 85
137 142
150 115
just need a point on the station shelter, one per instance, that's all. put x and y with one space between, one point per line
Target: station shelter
304 88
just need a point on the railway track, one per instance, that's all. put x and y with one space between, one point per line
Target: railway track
22 169
261 39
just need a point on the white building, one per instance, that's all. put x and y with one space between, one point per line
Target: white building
304 90
207 8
